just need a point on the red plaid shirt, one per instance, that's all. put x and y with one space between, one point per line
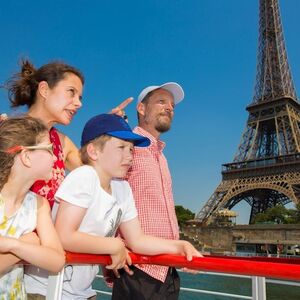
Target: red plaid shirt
151 183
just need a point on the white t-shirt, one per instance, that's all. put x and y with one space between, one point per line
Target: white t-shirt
103 216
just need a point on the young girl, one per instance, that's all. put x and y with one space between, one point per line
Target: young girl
99 204
25 156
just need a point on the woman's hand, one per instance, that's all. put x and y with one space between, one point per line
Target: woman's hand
119 110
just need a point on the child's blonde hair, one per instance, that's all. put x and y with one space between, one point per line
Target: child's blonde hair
99 142
23 131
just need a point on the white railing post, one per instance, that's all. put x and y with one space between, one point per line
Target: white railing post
55 284
258 288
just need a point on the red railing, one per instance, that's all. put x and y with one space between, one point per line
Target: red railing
279 268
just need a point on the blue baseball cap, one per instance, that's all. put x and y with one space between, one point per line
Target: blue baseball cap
112 125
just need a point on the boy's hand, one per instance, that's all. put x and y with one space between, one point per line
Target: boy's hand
126 269
120 257
189 250
126 266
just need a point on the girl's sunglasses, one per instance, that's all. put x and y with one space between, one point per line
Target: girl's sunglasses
19 148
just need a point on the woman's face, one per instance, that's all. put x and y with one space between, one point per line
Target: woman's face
63 100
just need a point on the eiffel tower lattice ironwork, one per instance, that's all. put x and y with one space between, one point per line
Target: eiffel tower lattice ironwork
266 168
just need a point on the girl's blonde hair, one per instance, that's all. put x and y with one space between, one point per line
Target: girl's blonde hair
23 131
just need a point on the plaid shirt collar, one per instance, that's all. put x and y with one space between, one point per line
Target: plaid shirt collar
155 144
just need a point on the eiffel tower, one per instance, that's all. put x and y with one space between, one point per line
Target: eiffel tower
265 170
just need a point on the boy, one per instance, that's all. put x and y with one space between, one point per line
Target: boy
94 203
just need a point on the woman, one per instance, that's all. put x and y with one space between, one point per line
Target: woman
53 94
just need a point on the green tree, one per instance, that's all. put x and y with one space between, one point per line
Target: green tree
280 215
295 214
183 214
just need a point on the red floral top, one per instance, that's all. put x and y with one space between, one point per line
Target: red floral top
48 188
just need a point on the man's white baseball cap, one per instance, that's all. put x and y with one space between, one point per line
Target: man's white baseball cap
174 88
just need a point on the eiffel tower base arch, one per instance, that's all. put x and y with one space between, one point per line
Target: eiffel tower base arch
259 192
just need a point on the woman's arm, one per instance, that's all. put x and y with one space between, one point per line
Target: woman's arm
71 152
68 220
138 242
49 254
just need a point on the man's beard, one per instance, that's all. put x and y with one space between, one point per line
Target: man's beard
162 126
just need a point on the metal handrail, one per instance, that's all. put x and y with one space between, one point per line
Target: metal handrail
279 268
261 162
258 268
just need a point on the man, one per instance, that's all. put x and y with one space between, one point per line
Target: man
151 183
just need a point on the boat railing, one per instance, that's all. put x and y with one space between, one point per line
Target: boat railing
255 254
262 162
256 268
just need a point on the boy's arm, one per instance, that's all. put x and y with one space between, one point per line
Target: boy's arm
146 244
68 220
7 259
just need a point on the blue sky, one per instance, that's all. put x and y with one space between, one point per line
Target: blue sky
209 47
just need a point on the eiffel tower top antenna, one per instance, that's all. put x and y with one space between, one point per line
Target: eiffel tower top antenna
273 77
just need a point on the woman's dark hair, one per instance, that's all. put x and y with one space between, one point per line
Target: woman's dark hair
22 87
